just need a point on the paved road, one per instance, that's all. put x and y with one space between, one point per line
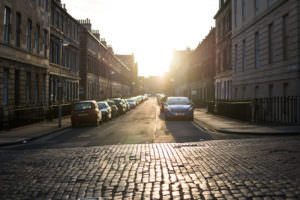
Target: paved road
143 125
131 158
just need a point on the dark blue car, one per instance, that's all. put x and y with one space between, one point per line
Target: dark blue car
178 107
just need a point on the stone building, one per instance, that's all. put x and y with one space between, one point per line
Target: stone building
129 61
102 73
223 78
24 51
265 48
201 72
63 55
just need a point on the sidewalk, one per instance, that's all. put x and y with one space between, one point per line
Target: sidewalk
32 131
228 125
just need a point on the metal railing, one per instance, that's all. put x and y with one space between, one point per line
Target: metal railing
282 110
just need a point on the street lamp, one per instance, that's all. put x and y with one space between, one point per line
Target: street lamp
63 44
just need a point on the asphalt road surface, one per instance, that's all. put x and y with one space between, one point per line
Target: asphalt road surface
142 125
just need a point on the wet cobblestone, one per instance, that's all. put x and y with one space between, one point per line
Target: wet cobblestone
233 169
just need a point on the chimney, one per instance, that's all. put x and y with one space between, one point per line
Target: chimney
64 7
96 33
103 42
86 23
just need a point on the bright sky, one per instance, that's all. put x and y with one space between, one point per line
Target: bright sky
151 29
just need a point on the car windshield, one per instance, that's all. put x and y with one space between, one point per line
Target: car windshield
101 105
82 106
178 101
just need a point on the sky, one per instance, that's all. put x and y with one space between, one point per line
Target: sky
151 29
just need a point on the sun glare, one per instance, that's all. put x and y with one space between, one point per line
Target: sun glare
149 29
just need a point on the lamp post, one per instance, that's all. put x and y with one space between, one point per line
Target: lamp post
63 44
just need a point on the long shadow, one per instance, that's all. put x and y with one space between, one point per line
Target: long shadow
184 131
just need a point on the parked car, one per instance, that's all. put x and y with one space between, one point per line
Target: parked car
105 110
131 102
126 104
85 112
120 104
114 108
179 107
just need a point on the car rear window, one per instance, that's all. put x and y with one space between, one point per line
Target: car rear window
82 106
102 105
178 101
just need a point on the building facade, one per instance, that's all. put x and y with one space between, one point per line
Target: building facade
63 55
129 61
265 48
24 52
223 78
178 76
103 74
202 70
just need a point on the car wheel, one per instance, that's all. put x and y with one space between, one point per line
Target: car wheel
166 117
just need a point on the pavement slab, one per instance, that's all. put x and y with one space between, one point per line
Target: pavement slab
226 169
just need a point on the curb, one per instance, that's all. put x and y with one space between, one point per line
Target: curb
34 138
200 122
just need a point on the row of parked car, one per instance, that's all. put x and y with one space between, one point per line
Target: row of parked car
93 112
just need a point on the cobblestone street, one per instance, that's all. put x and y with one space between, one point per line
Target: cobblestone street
232 169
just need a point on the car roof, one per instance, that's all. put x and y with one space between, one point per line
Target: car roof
178 98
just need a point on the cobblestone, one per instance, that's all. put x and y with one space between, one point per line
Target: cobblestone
232 169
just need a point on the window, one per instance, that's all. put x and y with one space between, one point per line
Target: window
256 95
235 58
6 24
36 92
39 2
57 19
235 12
256 4
244 56
46 5
244 9
62 23
29 27
52 16
285 37
51 51
5 87
28 87
37 36
45 42
270 35
18 29
271 90
244 93
256 50
17 87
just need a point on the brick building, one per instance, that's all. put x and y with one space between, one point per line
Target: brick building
63 55
265 48
24 50
223 78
